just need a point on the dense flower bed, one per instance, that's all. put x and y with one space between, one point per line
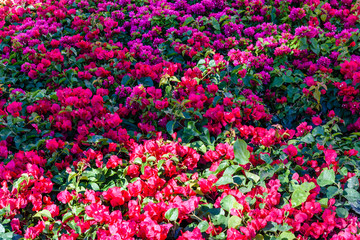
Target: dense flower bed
142 119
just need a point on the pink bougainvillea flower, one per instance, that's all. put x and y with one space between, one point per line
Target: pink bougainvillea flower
192 235
64 197
52 145
14 108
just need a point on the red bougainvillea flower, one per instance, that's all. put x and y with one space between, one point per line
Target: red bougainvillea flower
113 162
316 121
291 150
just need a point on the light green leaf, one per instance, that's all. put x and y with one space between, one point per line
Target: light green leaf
252 176
228 202
351 195
224 180
203 226
287 236
172 214
234 222
301 193
327 177
242 155
44 213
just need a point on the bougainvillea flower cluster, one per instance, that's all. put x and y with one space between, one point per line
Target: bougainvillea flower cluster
159 120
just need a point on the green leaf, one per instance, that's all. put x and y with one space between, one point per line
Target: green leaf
228 202
308 138
212 63
78 210
67 216
303 44
234 222
146 81
73 50
160 163
242 155
278 82
351 195
327 177
43 213
215 24
265 157
332 191
170 127
319 130
271 227
125 80
323 17
172 214
315 46
287 236
97 139
205 136
342 212
188 21
94 186
58 67
288 79
224 180
220 220
353 183
252 176
74 226
223 17
301 193
203 226
9 236
324 202
231 170
191 129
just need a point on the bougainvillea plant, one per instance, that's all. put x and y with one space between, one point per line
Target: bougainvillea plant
176 119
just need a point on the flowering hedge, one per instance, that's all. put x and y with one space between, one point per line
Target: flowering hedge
142 119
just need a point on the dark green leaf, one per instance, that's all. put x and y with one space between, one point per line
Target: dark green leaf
170 127
278 82
342 212
146 81
332 191
125 80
